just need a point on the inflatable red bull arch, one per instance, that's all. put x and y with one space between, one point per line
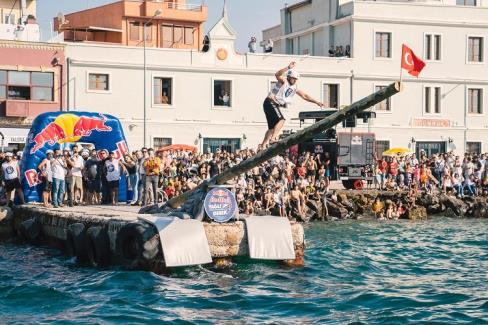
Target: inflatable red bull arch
51 130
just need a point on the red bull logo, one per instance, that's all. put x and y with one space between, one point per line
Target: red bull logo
121 150
33 177
51 134
220 204
220 192
68 128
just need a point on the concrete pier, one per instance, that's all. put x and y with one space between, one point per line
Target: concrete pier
63 228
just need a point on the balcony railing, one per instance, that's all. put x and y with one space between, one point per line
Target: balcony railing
181 6
26 108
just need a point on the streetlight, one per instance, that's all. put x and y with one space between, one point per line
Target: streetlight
156 14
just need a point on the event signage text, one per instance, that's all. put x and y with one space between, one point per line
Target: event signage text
433 123
220 205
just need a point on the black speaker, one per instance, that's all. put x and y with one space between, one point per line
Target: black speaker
331 134
350 122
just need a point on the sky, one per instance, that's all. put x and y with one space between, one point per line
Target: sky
248 17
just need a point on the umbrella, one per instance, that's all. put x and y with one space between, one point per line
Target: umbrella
398 152
176 147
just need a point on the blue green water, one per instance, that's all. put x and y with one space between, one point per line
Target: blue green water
434 271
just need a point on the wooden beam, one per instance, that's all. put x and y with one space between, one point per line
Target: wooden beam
291 140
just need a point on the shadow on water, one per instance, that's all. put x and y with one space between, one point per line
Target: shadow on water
356 272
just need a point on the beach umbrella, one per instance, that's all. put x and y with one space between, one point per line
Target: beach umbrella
397 152
178 147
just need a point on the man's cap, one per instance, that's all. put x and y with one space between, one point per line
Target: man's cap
9 154
49 151
293 74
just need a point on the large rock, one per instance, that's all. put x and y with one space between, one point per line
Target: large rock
449 213
314 210
6 223
336 210
427 200
436 208
417 213
344 201
456 205
480 209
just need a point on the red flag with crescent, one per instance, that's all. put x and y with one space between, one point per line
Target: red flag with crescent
411 62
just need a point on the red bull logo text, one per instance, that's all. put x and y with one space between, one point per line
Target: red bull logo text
121 150
68 128
33 177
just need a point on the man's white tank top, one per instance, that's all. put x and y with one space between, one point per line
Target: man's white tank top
284 93
113 170
9 170
48 170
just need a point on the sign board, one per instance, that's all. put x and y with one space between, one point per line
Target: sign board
220 205
19 139
432 123
356 141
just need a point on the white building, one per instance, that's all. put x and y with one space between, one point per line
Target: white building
184 86
445 108
17 21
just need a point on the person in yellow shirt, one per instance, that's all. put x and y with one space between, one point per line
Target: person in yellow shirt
378 209
152 166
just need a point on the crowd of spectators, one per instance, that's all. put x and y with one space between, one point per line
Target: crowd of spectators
446 173
281 186
340 51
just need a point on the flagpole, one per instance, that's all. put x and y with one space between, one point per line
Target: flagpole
401 68
401 73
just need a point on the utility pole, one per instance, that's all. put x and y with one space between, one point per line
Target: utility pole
156 14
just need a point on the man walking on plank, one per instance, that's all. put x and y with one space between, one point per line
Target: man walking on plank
281 95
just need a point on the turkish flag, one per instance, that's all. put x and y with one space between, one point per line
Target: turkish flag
411 62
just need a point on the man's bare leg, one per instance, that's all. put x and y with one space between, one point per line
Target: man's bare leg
277 130
267 137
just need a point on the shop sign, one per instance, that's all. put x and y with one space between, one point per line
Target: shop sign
431 123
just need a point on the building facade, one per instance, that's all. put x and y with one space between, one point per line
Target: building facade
31 73
214 98
443 109
31 83
166 24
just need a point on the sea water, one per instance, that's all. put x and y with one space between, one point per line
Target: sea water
433 271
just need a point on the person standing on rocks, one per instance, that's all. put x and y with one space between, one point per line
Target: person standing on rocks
113 170
47 177
10 175
152 167
59 170
77 163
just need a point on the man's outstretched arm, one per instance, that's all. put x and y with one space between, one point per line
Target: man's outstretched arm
308 98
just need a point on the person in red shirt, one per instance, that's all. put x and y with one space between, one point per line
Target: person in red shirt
393 168
302 170
382 168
